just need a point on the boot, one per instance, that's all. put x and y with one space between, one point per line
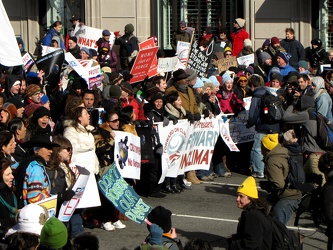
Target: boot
191 176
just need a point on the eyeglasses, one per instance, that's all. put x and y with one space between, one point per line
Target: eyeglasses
114 121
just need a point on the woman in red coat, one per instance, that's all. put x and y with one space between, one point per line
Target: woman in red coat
238 36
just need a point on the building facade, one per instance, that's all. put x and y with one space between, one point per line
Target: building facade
264 18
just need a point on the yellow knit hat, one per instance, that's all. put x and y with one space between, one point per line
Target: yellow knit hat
270 141
249 188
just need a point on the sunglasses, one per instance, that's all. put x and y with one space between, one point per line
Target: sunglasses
113 121
242 80
228 54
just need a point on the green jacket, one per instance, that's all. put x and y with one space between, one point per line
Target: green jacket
277 169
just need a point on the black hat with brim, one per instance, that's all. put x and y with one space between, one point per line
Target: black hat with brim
41 141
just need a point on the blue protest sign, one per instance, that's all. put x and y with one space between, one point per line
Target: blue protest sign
122 196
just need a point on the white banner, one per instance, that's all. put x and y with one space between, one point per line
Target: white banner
168 64
127 154
76 65
28 61
94 77
188 147
68 207
238 130
88 36
9 51
246 60
225 134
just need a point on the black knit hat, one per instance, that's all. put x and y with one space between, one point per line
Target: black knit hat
114 91
161 217
127 87
40 112
73 38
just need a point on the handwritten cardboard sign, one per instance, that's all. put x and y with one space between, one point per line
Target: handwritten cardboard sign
122 196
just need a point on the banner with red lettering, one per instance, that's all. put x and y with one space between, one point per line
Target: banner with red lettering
142 64
88 36
225 134
127 154
68 207
94 79
187 147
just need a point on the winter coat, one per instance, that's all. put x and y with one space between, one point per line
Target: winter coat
104 145
230 103
309 131
255 113
109 60
138 109
254 231
295 49
284 71
173 113
6 193
324 104
83 146
188 99
237 38
277 169
48 38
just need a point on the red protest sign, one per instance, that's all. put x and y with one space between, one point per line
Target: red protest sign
142 64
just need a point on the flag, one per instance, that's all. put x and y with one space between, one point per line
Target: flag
9 51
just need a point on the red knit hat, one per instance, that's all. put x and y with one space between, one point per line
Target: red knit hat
275 40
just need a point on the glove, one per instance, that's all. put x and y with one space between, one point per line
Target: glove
174 120
66 195
156 234
197 117
189 117
206 113
165 122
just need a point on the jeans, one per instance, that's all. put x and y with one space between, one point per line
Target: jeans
76 224
256 156
220 169
202 173
283 210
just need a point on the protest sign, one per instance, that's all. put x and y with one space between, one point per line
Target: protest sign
247 100
50 204
200 58
88 36
245 60
47 50
183 50
142 64
94 74
9 51
51 64
238 130
127 154
122 196
168 64
76 65
225 63
68 207
27 61
225 135
199 145
153 67
90 197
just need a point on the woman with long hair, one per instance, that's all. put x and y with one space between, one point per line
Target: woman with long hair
8 201
254 229
18 129
62 179
7 146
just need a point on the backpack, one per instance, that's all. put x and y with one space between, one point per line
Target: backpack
283 238
296 175
324 132
271 109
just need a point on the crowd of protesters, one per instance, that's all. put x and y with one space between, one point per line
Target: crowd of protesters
43 132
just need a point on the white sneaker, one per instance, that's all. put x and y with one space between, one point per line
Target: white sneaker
187 183
107 226
119 225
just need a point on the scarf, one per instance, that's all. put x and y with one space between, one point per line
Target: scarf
181 87
12 210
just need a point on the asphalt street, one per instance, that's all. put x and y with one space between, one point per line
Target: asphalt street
209 212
